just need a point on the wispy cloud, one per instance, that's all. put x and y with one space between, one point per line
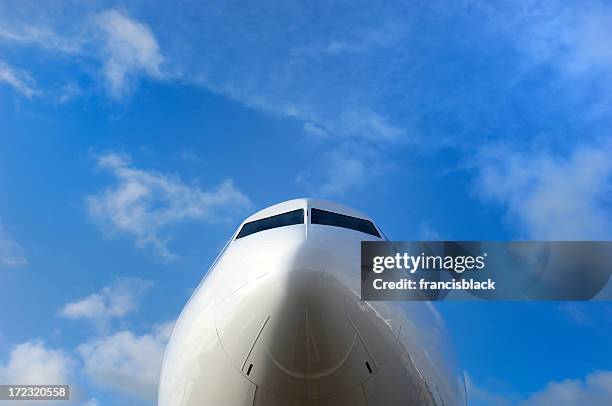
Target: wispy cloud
32 362
337 174
19 80
342 169
114 301
428 232
335 84
382 79
121 361
566 36
595 389
143 203
68 92
126 48
352 152
28 34
11 253
596 315
130 50
369 125
576 313
479 396
553 196
126 362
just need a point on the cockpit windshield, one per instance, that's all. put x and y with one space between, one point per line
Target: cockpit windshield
280 220
329 218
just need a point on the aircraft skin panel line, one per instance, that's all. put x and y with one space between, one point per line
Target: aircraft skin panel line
278 320
254 341
361 339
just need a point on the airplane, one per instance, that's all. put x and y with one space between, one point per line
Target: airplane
278 320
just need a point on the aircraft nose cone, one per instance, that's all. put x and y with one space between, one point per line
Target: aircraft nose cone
310 335
292 333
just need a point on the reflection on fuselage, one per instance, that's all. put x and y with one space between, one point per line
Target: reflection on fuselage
278 321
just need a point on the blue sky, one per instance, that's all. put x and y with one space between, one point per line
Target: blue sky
134 137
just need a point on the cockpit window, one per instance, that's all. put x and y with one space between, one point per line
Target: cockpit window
280 220
328 218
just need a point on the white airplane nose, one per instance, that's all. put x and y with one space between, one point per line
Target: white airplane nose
278 321
291 333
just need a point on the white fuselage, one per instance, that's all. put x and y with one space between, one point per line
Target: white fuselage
278 320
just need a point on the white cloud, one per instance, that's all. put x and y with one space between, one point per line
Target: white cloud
130 49
19 80
339 174
33 363
569 37
428 232
126 362
68 92
552 196
190 156
315 129
11 253
345 168
576 313
40 36
360 125
126 48
92 402
113 301
336 84
366 124
359 41
594 390
478 396
142 203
